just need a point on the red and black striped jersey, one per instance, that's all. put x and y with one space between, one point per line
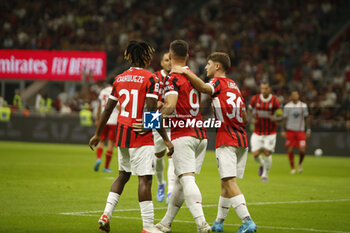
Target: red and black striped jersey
161 75
228 105
131 89
263 109
187 107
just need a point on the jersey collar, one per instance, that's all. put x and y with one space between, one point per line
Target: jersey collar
267 99
136 68
162 72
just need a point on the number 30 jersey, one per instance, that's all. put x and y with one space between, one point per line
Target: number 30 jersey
131 89
187 113
228 105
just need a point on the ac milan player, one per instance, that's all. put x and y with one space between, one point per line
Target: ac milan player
295 115
263 112
108 132
135 89
231 138
159 146
190 143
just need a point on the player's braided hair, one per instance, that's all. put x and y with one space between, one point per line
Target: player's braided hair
139 53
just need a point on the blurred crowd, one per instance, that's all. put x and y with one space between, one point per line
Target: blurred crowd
282 42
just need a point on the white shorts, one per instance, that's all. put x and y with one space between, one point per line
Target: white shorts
231 161
159 144
189 153
139 160
267 142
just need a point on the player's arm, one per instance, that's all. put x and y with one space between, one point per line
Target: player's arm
98 115
284 121
250 110
308 126
111 103
277 116
151 105
169 104
245 117
160 104
196 82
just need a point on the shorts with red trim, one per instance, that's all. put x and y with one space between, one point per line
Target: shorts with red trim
109 131
296 139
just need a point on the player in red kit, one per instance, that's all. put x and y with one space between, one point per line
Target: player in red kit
190 143
159 146
135 89
231 138
264 110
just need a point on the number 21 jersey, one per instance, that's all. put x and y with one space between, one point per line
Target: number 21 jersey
131 89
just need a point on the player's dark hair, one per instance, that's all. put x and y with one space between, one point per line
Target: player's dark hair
179 48
222 58
139 53
265 83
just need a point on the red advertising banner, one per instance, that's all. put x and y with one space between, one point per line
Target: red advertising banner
51 64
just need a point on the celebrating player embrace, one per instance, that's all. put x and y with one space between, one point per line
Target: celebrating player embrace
231 139
135 89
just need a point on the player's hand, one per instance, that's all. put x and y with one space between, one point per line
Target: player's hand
272 118
138 127
94 141
170 146
283 134
178 69
160 104
308 135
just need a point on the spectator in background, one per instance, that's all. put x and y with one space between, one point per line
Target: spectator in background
65 109
5 112
85 116
17 100
1 101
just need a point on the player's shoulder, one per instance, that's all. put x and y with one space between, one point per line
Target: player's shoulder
289 104
107 89
303 104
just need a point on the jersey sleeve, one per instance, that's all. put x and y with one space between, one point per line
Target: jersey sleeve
276 104
171 85
285 111
252 102
152 88
214 84
114 93
306 110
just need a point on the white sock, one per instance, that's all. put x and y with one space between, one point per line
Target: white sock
193 199
171 175
176 200
159 170
112 201
240 206
147 213
259 160
223 208
267 166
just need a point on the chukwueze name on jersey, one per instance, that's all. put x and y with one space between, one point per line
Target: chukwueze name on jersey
131 78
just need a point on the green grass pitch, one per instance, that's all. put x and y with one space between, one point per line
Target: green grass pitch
53 188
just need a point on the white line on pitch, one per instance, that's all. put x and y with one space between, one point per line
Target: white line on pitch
215 205
229 224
